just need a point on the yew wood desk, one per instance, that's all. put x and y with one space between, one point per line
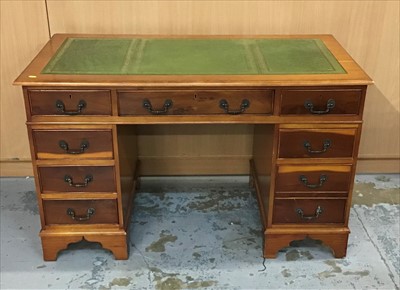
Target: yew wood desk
85 94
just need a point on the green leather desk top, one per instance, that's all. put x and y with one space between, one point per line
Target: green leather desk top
161 61
217 56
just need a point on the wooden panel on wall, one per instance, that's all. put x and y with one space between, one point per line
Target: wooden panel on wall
195 140
195 149
24 31
368 30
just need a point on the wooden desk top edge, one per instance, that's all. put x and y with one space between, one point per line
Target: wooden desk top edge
31 76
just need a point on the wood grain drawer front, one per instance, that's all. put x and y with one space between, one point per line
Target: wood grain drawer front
321 102
70 102
195 102
77 179
316 143
80 211
80 144
305 211
311 178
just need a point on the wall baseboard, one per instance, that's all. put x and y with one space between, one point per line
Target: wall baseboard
371 165
203 166
16 168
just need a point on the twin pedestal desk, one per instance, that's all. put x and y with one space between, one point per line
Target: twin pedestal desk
86 94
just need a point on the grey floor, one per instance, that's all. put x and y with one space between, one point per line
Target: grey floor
204 233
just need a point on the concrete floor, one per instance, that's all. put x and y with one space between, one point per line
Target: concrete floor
204 233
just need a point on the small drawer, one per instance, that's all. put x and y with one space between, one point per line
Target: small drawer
321 102
195 102
58 212
316 143
305 211
70 102
77 179
300 180
68 144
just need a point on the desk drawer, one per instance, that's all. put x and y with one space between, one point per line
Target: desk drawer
77 179
195 102
69 144
70 102
316 143
305 211
80 212
294 179
321 102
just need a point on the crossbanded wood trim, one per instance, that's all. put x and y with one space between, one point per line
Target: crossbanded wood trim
193 119
318 129
316 161
58 127
202 166
310 228
314 167
318 126
79 196
98 155
103 229
73 162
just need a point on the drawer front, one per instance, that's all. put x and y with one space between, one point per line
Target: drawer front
77 179
195 102
321 102
70 102
80 212
292 179
316 143
305 211
67 144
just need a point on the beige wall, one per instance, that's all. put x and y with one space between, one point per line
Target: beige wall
24 31
368 30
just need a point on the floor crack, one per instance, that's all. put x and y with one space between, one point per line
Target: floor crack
265 268
145 261
391 276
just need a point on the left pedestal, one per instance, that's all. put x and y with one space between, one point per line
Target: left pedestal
77 169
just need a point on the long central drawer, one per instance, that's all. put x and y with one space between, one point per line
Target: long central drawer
188 102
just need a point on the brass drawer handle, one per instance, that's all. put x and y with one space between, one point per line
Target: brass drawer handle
318 212
327 143
73 216
330 104
322 179
64 145
61 108
223 104
68 179
164 110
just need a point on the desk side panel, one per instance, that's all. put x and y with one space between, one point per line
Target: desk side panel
127 165
263 165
